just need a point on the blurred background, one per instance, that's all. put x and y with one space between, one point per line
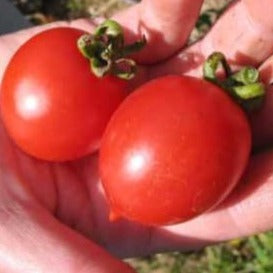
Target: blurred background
250 255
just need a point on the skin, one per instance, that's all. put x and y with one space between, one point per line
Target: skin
54 217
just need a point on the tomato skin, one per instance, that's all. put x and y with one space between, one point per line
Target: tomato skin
52 105
174 149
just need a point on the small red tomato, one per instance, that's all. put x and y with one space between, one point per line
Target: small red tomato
52 105
173 150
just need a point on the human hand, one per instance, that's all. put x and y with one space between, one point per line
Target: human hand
58 207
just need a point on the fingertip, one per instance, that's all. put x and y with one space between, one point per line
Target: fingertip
262 122
166 24
266 71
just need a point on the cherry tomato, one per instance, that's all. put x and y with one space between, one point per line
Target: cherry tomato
174 149
52 105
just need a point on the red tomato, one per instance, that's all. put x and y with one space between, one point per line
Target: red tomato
52 105
173 150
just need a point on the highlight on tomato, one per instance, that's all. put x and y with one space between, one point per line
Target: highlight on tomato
61 88
178 145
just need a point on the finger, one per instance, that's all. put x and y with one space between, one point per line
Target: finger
247 211
166 24
266 71
244 33
262 120
33 241
11 42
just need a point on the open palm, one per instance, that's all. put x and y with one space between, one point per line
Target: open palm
50 211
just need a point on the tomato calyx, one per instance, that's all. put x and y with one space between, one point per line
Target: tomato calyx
107 51
243 86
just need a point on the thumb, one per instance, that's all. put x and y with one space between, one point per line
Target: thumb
33 241
166 25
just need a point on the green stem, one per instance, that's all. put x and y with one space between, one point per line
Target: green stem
135 47
246 75
106 51
243 86
109 27
250 91
212 64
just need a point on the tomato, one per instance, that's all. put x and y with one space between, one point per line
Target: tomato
52 105
174 149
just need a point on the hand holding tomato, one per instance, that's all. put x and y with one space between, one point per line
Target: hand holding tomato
32 192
